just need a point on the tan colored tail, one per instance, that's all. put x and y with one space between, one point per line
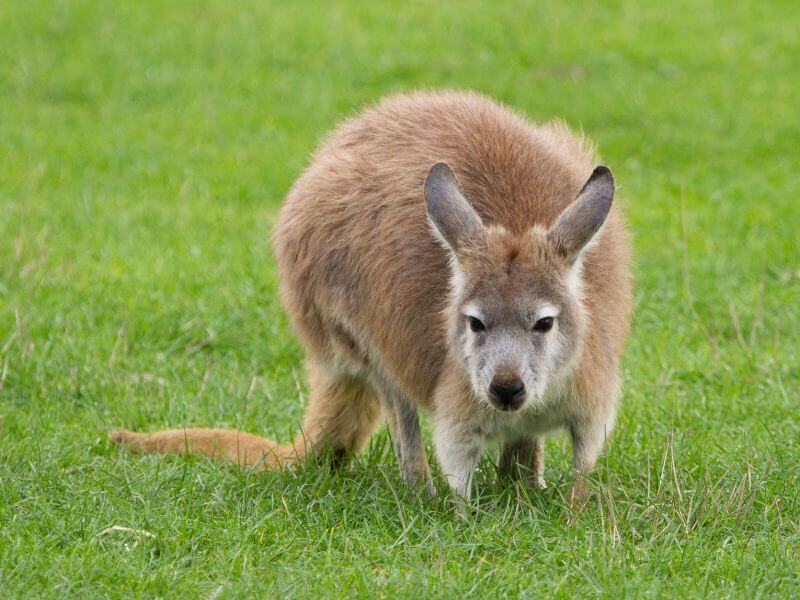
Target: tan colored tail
342 414
245 449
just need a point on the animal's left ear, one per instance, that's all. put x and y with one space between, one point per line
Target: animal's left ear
581 220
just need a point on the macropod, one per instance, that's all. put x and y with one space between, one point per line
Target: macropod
441 252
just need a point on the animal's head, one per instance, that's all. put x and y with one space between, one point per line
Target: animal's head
516 315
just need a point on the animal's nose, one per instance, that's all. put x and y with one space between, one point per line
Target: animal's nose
507 393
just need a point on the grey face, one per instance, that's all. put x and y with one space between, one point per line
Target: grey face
514 344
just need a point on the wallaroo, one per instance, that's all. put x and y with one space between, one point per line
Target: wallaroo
442 252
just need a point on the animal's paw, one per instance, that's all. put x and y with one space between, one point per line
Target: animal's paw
578 496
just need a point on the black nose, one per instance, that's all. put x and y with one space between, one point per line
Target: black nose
507 393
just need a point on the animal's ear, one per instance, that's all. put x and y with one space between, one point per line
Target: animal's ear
580 221
448 209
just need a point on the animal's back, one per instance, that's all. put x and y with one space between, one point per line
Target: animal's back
363 279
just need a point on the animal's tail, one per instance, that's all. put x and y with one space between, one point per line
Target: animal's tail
342 413
245 449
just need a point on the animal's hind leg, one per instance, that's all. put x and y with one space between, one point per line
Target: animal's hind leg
524 458
341 416
407 437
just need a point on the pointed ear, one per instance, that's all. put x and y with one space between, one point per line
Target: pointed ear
580 221
448 209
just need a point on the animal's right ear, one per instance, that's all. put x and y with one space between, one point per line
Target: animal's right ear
448 209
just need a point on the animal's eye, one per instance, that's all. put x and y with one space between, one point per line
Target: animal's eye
476 324
545 324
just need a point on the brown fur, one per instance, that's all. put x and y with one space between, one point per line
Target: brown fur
367 284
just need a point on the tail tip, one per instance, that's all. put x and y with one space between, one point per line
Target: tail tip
123 436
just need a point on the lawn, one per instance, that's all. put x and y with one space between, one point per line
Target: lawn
145 148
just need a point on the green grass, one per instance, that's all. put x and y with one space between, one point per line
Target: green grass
144 150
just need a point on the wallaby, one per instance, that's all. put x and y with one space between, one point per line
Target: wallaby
442 252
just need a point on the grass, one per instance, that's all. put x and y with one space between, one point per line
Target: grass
144 150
